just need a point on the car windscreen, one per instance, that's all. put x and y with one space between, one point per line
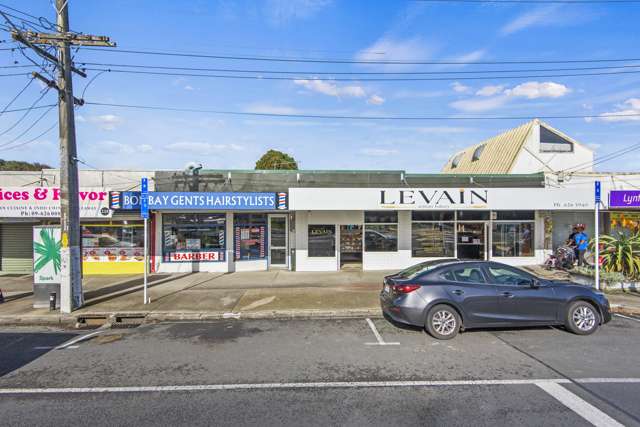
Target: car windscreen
418 269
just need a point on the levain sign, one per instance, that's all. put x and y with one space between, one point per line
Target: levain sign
435 198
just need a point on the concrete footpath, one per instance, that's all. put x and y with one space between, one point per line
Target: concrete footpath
207 296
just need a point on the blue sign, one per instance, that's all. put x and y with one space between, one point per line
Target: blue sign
598 190
158 200
144 198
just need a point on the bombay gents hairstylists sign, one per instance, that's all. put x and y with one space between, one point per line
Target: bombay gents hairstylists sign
44 202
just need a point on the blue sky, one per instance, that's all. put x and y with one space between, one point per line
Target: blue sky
110 137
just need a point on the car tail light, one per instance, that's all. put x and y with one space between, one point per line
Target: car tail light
405 289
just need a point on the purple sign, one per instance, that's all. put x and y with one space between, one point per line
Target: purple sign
624 199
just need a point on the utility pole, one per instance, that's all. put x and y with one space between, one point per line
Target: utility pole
70 256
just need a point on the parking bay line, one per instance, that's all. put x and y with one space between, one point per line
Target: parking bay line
309 385
581 407
627 317
378 336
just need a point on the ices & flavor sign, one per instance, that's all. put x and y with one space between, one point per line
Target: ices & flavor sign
44 202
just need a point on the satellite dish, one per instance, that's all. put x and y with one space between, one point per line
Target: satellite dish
192 168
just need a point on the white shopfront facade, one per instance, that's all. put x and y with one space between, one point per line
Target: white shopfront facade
393 228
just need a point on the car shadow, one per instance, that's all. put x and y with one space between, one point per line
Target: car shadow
404 326
22 348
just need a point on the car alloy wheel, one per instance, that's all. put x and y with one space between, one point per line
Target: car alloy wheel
584 318
444 322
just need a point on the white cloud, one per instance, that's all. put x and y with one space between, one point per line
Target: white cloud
189 87
375 100
332 89
282 11
204 148
106 121
628 111
390 49
114 147
533 90
378 152
414 94
541 16
145 148
494 97
490 90
459 87
472 56
80 118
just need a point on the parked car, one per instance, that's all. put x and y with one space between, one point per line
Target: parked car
445 296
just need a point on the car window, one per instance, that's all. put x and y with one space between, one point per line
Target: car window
464 275
419 269
508 276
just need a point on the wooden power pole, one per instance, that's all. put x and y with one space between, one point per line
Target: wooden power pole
71 258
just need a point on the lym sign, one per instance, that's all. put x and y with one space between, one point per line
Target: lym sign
624 199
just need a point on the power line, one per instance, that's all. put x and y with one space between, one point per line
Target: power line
349 61
15 74
26 113
17 110
17 96
55 124
351 117
532 1
236 70
341 79
29 128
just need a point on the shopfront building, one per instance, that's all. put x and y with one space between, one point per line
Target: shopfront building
389 229
216 231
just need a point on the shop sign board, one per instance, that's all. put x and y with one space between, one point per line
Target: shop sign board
159 200
46 254
624 199
196 256
44 202
440 198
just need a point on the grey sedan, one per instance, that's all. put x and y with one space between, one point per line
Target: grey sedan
446 296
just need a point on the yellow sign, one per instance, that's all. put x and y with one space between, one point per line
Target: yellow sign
65 240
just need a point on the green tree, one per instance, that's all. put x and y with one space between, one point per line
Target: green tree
274 159
17 165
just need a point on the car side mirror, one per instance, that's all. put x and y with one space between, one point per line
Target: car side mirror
535 284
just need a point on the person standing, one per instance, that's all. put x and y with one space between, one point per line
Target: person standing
582 242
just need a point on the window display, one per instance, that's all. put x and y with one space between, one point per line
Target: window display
381 231
193 237
432 239
112 242
512 239
322 240
250 232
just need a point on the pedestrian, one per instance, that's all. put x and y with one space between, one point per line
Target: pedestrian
582 242
571 241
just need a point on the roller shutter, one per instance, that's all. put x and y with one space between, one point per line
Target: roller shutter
16 248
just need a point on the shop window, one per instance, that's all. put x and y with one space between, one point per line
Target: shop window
475 215
250 232
322 241
432 239
113 242
432 215
513 239
193 237
381 231
515 215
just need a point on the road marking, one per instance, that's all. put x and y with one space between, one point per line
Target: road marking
76 340
627 317
49 347
378 336
231 316
310 385
581 407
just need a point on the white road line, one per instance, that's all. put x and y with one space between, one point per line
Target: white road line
627 317
310 385
48 347
581 407
378 336
76 340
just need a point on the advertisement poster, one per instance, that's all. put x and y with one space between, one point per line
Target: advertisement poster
113 254
44 202
46 254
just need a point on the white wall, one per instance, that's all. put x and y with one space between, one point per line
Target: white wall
531 160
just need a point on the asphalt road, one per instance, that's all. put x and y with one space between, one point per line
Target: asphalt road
320 372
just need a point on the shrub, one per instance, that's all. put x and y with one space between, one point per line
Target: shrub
620 253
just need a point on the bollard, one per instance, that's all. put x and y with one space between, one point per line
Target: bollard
52 301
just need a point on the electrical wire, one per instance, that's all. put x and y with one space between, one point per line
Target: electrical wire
533 1
350 117
392 79
32 139
17 96
349 61
4 144
235 70
27 111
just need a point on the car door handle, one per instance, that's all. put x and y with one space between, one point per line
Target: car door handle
507 294
457 292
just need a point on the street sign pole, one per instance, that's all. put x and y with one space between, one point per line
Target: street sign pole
144 213
598 197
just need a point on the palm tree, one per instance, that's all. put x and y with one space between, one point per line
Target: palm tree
47 251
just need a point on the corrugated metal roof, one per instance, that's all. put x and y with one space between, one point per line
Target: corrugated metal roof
498 155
